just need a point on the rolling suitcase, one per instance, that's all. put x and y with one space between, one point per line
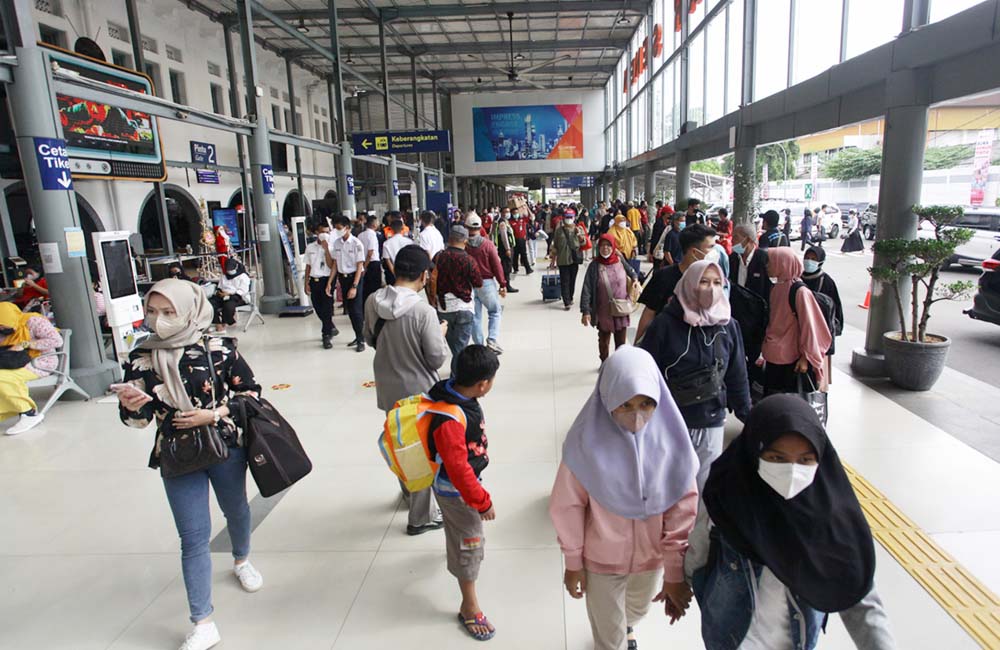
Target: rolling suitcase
550 286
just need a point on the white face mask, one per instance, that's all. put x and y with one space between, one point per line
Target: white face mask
712 256
568 222
324 236
787 479
166 326
604 253
632 421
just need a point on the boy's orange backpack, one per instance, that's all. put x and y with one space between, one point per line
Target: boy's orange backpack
404 440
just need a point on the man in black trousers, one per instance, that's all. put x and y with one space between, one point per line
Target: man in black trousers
317 275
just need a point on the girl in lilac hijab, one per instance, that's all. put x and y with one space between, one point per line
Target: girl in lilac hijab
625 500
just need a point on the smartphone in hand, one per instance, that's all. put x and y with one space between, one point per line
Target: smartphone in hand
129 390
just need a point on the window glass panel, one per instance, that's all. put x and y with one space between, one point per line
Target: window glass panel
734 91
941 9
696 80
771 66
657 90
695 19
663 27
870 24
716 69
622 139
817 38
643 113
671 113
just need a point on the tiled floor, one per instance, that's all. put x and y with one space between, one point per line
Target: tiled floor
90 559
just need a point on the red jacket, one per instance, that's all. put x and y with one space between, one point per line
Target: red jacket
520 226
487 223
488 259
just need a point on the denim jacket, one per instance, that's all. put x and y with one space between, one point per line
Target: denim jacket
726 589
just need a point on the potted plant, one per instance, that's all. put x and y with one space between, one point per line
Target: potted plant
914 358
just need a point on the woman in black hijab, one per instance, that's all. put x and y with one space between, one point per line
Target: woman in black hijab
177 272
788 541
821 282
232 291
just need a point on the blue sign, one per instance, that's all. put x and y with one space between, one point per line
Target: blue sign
53 163
572 182
209 176
433 183
398 142
395 188
267 179
350 185
228 220
203 153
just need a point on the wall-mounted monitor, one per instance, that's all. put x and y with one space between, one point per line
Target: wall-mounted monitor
104 140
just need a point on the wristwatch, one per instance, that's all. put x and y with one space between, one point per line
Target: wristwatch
218 417
354 286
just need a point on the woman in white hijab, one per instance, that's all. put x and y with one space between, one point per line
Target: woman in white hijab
175 386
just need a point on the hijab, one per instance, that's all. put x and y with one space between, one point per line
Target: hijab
818 543
611 259
634 475
690 293
12 318
234 268
195 311
790 336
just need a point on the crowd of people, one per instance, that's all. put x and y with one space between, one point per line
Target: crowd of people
647 504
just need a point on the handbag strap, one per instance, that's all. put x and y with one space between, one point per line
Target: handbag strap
211 369
607 283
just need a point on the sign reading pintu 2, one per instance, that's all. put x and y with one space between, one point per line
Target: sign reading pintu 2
203 153
399 142
53 163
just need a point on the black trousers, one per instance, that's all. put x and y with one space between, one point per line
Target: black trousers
225 310
567 282
373 280
323 304
355 305
782 378
389 277
521 254
505 264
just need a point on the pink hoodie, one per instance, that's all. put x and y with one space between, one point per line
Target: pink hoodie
591 536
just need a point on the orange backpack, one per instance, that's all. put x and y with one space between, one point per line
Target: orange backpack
404 442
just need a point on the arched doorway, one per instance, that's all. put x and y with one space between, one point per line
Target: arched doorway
291 208
183 215
23 227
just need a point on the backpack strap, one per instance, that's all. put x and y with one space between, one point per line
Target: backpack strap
379 324
794 289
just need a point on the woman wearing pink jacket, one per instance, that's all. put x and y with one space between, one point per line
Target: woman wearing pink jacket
625 500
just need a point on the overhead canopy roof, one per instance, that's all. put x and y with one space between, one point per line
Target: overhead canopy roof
464 44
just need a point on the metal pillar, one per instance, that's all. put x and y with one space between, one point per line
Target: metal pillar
649 192
421 188
234 101
899 189
139 59
265 205
545 182
294 130
744 172
416 109
683 180
630 187
345 179
455 200
33 111
392 175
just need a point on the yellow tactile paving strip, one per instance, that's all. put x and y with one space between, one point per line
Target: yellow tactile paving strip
968 601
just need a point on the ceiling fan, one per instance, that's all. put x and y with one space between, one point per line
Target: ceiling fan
513 74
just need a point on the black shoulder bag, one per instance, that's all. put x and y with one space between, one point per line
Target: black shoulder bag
701 385
274 453
184 451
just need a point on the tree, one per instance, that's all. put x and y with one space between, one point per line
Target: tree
850 164
708 167
948 157
772 156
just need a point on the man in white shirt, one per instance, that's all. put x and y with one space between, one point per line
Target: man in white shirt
373 260
430 238
317 275
347 264
393 246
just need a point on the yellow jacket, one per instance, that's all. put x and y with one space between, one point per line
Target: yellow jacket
624 240
634 218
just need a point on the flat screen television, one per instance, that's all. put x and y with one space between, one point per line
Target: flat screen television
105 140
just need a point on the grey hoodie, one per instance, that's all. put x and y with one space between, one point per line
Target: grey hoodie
410 347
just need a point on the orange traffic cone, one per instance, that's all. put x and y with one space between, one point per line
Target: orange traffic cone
868 300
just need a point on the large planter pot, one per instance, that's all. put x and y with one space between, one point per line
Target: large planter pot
915 366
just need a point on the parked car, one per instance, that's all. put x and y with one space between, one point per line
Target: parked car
986 304
985 222
869 221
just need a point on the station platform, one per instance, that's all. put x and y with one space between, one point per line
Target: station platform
90 556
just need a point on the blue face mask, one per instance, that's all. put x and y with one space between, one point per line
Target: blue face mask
739 249
810 266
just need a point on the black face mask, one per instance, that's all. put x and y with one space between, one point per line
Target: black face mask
5 332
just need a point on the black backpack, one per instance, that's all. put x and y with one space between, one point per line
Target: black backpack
826 306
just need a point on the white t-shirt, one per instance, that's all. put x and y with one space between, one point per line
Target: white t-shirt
769 628
453 303
393 245
431 240
369 238
347 253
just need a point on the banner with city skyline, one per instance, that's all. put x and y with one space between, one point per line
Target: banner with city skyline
507 133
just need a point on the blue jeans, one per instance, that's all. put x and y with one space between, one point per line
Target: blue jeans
188 497
459 332
487 296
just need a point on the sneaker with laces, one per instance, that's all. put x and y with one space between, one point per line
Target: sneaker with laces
250 578
491 344
202 637
26 423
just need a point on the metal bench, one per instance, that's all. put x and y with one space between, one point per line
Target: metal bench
251 307
59 379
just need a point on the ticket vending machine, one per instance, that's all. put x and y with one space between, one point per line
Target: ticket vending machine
299 243
116 269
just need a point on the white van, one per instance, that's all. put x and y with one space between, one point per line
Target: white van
986 224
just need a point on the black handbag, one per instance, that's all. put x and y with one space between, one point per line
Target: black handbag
817 399
702 385
11 359
274 453
184 451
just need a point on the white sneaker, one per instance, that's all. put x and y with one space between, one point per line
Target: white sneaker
250 578
202 637
26 423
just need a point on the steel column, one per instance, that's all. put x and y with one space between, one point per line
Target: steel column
265 206
649 191
33 112
744 173
421 189
294 130
392 177
344 193
234 101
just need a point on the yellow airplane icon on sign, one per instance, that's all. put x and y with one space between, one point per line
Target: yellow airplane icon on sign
381 142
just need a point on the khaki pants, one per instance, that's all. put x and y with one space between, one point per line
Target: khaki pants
464 540
615 602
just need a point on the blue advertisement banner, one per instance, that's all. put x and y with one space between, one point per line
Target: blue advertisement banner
506 133
228 219
400 142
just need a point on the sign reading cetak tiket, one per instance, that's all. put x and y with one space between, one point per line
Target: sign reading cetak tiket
400 142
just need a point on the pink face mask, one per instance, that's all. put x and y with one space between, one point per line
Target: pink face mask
709 295
633 421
